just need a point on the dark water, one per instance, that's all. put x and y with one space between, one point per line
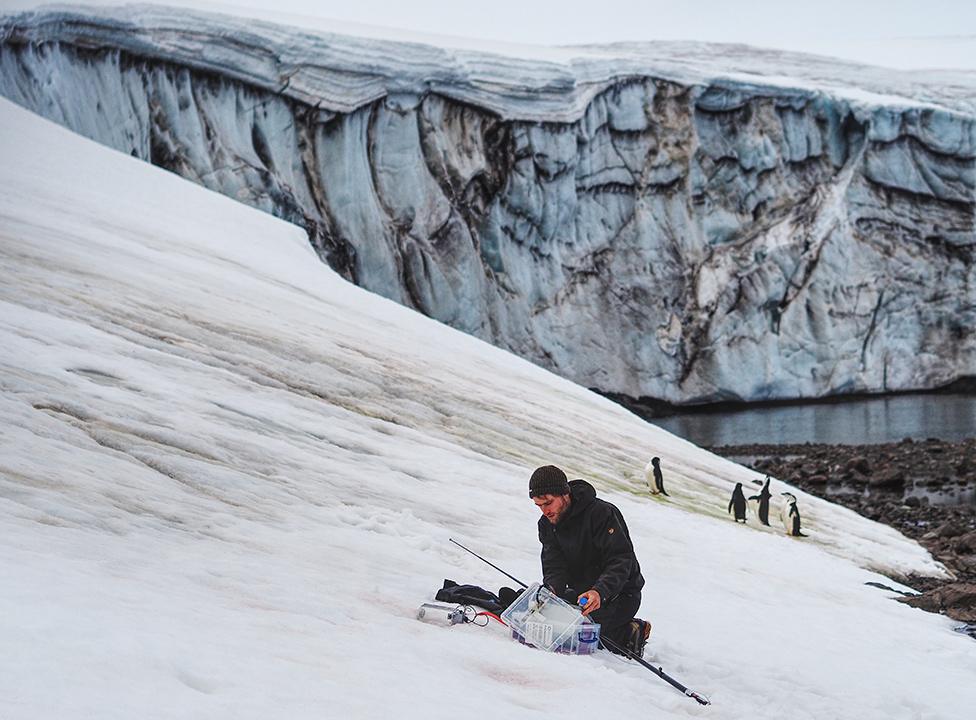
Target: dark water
947 494
854 422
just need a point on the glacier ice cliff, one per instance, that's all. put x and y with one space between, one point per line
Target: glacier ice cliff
676 221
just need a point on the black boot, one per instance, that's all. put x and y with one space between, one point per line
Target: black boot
640 631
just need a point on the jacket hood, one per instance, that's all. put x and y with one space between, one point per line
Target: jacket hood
583 494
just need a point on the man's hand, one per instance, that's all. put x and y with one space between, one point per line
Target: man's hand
592 603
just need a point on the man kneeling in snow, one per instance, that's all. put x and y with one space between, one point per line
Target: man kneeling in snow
586 547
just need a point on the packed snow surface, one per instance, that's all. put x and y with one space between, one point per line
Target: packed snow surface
228 479
340 67
907 36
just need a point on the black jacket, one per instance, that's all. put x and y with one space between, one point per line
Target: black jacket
589 548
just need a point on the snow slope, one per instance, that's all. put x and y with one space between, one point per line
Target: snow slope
227 480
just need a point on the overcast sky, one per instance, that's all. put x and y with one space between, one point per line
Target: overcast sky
898 33
571 21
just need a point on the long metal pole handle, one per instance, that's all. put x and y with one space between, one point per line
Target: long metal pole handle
485 561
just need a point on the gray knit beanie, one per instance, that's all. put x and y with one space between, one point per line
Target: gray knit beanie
548 480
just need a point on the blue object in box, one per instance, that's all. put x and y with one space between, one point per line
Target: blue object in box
542 619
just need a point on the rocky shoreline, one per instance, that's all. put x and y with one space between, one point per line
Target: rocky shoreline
925 489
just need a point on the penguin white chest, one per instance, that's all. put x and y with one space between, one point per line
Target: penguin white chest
786 517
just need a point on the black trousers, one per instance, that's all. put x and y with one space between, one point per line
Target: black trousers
615 616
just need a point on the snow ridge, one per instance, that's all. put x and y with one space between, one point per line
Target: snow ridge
342 73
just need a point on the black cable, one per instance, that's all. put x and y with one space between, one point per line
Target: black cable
472 615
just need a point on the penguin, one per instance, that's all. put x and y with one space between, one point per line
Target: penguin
738 502
791 516
655 479
763 498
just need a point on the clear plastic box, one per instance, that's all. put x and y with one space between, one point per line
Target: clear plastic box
542 619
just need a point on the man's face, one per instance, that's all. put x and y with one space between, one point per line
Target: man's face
552 506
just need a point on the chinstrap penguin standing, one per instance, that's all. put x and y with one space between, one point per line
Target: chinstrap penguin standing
738 503
791 516
655 479
763 498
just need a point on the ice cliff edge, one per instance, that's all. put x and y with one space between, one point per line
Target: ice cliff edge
676 221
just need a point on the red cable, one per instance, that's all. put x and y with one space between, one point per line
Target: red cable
491 615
